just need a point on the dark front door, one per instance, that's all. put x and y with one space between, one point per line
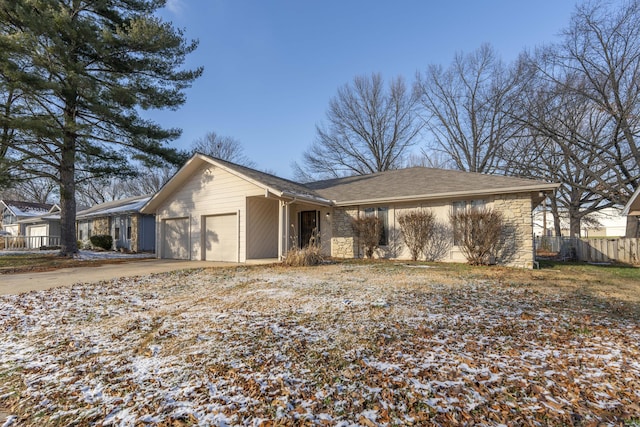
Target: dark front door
308 227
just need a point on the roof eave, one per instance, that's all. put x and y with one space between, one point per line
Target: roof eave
451 195
103 214
627 208
303 197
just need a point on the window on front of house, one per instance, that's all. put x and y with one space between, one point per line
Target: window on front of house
117 233
129 233
8 217
382 213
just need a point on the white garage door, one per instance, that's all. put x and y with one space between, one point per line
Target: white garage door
221 238
175 238
39 230
36 233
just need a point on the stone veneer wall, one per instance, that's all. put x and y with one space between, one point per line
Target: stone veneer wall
135 244
516 209
343 242
101 226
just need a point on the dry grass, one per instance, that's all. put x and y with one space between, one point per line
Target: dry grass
357 343
303 257
31 262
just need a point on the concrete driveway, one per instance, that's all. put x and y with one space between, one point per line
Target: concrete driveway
25 282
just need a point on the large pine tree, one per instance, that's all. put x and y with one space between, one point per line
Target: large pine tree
80 73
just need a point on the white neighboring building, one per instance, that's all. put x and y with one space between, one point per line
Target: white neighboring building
609 222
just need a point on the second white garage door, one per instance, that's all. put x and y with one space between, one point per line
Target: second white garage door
221 238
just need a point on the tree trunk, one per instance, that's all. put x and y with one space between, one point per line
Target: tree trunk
557 229
68 242
574 221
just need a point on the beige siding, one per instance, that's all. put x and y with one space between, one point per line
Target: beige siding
175 238
262 228
209 191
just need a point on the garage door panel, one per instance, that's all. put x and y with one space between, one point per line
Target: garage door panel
221 238
175 243
37 231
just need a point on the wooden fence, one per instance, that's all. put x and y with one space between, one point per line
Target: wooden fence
623 250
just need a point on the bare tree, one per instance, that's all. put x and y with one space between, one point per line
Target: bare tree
599 60
369 128
222 147
32 189
468 109
561 127
149 180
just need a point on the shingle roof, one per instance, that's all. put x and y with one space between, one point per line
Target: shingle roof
272 181
27 209
392 186
419 182
116 207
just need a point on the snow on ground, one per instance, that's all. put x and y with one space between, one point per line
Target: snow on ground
266 346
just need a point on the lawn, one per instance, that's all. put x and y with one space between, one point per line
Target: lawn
16 262
371 344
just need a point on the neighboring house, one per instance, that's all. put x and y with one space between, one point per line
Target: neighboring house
608 222
23 218
216 210
122 220
42 230
632 210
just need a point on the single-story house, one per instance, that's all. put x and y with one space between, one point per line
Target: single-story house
216 210
122 220
632 210
30 218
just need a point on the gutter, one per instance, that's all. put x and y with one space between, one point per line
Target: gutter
299 197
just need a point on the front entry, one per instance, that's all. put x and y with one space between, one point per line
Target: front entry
308 228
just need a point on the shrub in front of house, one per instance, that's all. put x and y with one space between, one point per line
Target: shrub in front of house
478 232
424 235
439 242
416 227
103 241
368 229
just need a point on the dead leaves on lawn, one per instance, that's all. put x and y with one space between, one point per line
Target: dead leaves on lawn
274 347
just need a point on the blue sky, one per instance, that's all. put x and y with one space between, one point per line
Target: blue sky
271 67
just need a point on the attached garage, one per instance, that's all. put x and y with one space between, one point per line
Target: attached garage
213 210
220 237
175 238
